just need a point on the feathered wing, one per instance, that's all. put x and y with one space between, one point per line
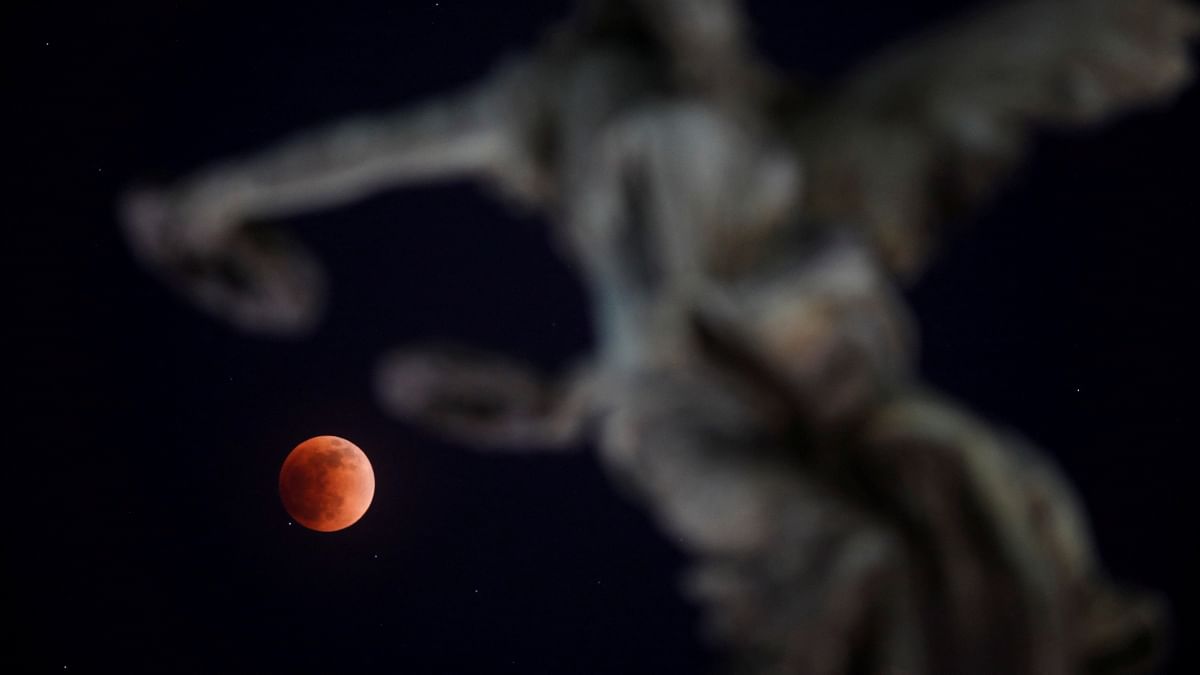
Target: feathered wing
932 124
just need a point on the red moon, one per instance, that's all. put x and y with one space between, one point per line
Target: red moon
326 483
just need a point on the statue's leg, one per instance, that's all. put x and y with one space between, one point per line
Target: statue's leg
1111 630
952 485
792 574
1002 537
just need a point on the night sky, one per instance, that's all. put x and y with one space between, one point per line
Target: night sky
148 535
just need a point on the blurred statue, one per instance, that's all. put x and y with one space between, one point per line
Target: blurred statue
743 239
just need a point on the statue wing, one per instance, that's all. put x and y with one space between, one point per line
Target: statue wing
932 123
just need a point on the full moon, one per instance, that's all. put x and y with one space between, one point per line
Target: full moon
326 483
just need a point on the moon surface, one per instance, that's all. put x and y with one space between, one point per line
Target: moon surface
326 483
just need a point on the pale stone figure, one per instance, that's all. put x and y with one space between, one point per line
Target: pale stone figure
743 240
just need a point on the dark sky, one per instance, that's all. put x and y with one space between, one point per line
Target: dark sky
149 536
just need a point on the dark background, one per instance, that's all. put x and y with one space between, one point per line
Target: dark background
146 533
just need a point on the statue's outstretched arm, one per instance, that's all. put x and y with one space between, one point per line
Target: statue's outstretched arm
198 233
931 124
486 400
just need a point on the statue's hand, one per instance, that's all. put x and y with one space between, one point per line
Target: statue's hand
485 400
255 278
458 391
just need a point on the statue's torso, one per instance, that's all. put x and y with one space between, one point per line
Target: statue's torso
682 210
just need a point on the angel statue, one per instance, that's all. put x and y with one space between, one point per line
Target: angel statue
744 241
